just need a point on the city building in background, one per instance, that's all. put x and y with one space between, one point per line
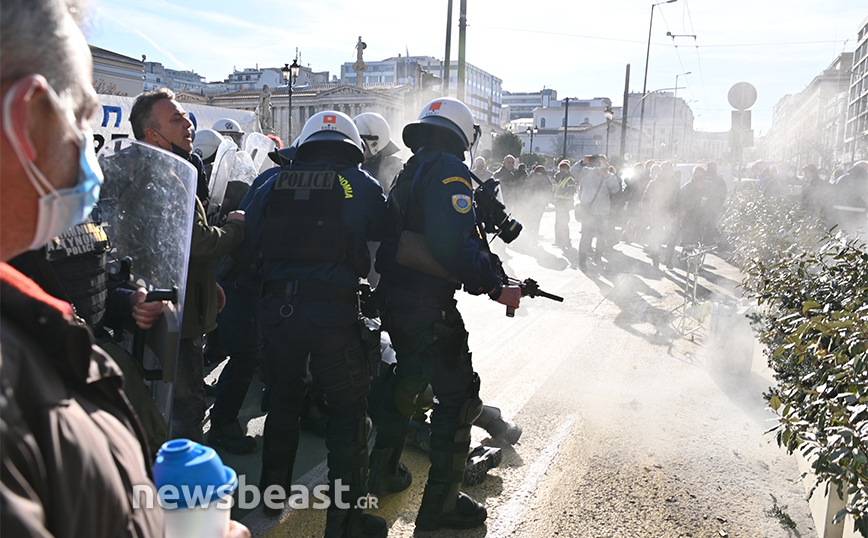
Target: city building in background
803 124
522 104
482 90
856 133
387 100
667 126
116 74
157 76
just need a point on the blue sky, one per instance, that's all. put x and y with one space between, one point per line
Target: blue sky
578 48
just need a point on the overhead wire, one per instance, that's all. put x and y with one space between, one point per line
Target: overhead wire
633 41
698 62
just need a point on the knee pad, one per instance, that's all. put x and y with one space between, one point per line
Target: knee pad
472 407
470 410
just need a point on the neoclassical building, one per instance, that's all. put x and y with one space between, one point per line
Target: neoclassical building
386 99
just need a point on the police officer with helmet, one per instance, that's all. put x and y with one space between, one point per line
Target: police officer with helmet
380 159
432 249
310 222
231 129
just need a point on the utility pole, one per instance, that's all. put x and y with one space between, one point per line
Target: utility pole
462 37
566 124
444 87
624 117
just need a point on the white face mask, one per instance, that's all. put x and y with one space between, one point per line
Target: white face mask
58 210
824 177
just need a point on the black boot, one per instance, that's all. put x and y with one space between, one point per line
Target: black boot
388 472
274 476
479 461
353 523
444 506
230 437
501 430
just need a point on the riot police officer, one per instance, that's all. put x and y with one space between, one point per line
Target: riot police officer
380 150
310 222
432 249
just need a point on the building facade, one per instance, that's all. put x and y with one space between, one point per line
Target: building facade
522 104
256 78
387 100
116 74
588 131
856 132
803 125
667 128
157 76
483 91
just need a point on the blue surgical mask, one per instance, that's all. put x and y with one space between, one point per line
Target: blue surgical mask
61 209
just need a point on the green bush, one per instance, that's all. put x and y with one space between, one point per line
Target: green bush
811 285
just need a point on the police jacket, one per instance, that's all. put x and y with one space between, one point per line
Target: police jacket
361 214
71 447
207 244
433 197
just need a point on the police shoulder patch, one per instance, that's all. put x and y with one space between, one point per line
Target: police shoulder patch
447 181
461 203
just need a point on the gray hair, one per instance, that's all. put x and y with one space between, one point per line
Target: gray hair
34 38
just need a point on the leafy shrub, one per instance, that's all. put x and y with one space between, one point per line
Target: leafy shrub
812 287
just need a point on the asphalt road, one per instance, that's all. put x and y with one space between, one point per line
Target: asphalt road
631 427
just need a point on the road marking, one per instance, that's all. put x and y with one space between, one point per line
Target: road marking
510 514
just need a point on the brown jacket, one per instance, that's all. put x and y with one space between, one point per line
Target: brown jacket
207 245
71 448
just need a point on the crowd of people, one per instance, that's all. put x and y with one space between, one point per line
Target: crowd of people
651 204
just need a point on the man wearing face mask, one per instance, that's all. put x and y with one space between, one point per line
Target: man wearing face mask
159 120
71 446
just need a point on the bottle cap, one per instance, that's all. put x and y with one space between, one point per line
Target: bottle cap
188 466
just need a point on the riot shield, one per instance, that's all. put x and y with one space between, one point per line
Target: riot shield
240 179
258 146
146 206
224 160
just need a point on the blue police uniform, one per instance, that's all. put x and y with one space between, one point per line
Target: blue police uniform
309 307
432 197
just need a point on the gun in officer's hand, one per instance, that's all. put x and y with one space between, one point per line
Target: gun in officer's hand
529 288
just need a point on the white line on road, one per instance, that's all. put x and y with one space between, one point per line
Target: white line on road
511 513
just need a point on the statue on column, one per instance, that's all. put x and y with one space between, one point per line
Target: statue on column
263 111
360 66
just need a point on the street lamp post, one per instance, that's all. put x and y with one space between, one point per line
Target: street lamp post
290 75
674 105
645 81
609 115
530 133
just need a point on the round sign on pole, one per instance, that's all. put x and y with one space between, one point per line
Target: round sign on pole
742 95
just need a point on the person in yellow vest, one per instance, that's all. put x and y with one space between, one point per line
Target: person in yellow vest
564 186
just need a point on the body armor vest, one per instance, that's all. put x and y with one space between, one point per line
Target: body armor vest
304 217
78 257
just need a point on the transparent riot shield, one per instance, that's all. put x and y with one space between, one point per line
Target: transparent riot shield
258 146
146 207
240 179
224 161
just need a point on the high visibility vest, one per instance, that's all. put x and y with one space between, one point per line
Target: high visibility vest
561 193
